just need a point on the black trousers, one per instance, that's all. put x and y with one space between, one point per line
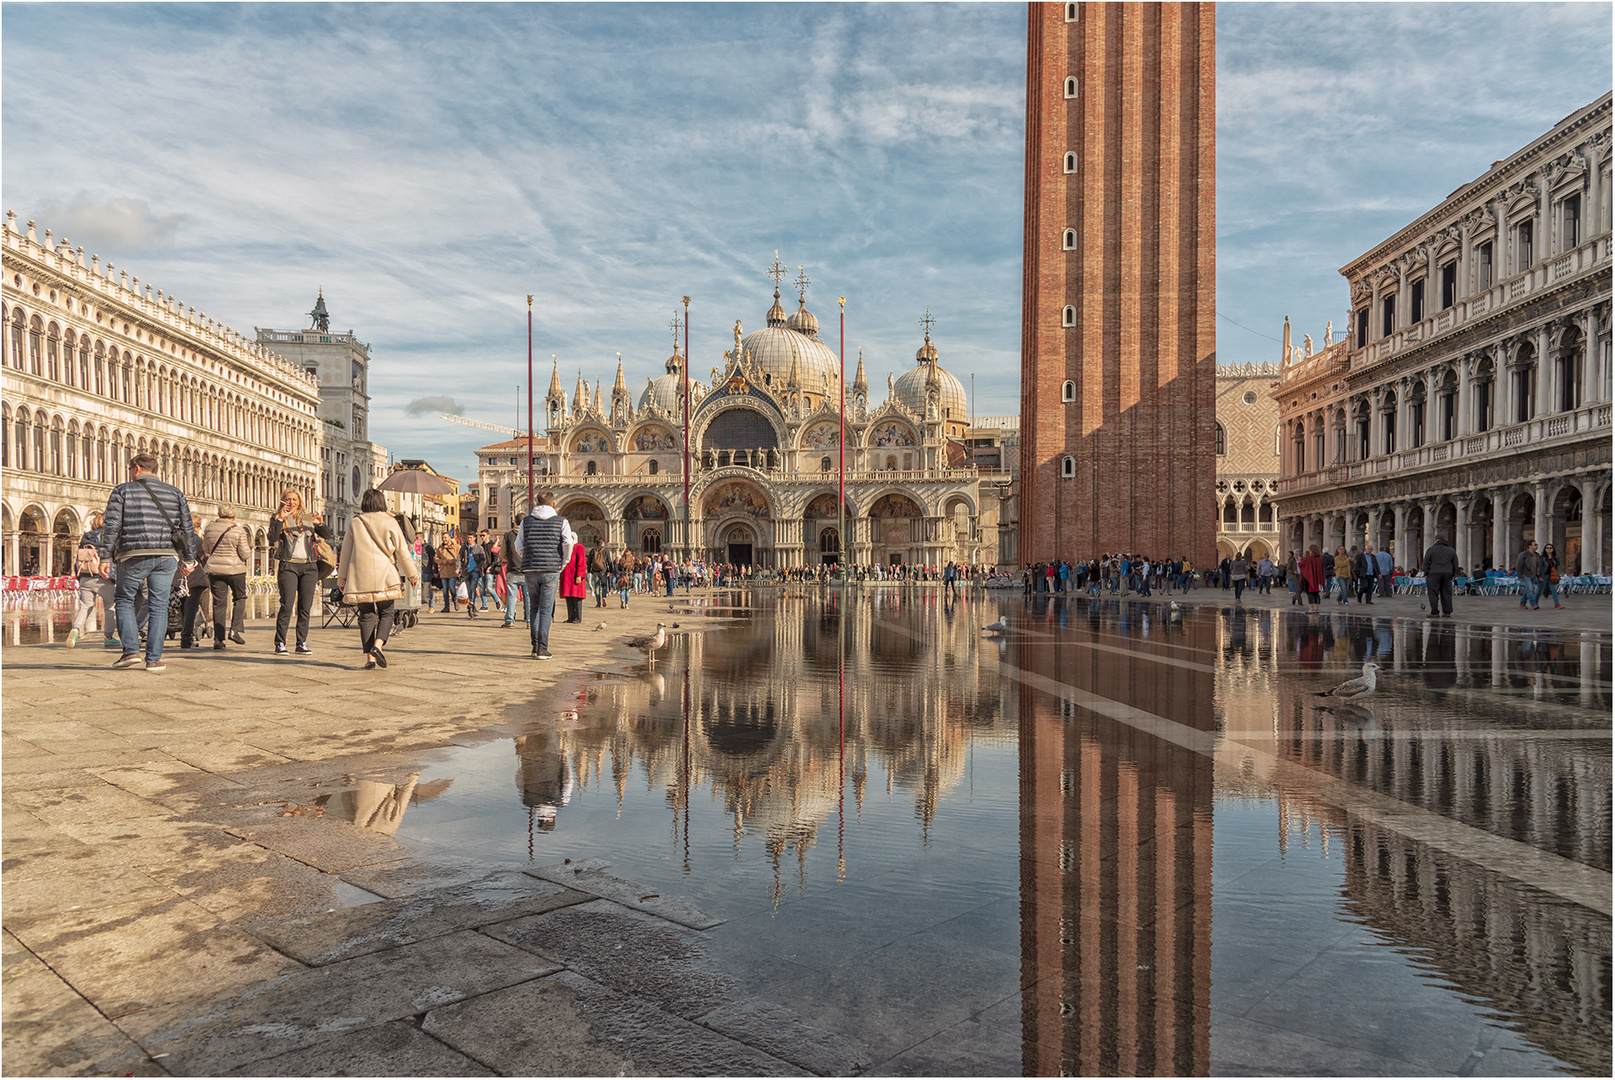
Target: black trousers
1439 587
375 623
574 609
229 593
298 583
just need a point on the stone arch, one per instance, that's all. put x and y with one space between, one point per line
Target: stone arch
1520 523
1567 508
31 539
891 433
736 431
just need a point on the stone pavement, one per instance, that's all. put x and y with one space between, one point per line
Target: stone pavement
177 901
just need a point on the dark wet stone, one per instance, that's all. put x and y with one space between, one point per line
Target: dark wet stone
569 1025
395 1049
778 1031
588 877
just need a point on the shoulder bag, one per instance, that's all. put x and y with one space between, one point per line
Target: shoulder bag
324 557
176 535
202 564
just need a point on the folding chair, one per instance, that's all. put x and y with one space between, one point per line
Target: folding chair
332 609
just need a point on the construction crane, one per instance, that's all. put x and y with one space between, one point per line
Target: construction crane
478 423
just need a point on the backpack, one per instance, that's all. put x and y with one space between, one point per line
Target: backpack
86 562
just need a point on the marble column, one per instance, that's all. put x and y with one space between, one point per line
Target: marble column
1540 521
1500 560
1592 532
1399 551
1461 540
1546 401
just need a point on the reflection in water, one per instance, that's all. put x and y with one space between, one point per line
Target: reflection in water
373 805
1115 852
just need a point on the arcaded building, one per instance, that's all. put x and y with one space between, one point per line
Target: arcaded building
1118 343
1470 397
1247 461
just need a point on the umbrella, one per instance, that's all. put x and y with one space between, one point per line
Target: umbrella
416 481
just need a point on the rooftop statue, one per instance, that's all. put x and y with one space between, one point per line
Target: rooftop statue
321 317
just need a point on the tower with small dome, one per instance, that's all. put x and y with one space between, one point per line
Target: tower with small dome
765 452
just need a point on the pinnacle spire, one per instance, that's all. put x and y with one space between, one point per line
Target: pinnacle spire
599 406
555 380
619 387
580 395
859 382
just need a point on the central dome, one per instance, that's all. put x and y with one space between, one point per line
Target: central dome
787 342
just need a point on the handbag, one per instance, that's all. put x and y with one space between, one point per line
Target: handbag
324 557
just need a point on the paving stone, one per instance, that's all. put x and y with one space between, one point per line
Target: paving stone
332 846
136 956
569 1025
50 894
152 778
147 841
102 802
80 759
274 1017
630 951
412 876
21 833
242 882
222 757
393 1049
630 894
780 1033
55 778
52 1030
354 931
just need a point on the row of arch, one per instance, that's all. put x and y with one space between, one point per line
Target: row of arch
1440 404
76 360
37 441
894 501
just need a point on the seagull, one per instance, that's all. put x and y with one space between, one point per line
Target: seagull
601 625
650 642
996 627
1354 689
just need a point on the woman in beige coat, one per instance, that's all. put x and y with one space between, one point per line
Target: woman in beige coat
227 552
371 572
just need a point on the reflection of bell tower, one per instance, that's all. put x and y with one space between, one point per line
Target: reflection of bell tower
1115 870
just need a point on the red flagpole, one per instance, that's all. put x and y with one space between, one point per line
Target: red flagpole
841 501
529 401
689 548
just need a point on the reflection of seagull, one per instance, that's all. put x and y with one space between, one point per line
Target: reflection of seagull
1354 689
650 642
996 627
1354 714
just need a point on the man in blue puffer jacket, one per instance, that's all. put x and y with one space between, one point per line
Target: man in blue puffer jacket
138 536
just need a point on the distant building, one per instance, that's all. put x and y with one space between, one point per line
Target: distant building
1470 395
1247 461
341 362
98 368
501 484
1118 335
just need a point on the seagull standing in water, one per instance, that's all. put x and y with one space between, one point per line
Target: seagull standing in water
650 642
996 627
1354 689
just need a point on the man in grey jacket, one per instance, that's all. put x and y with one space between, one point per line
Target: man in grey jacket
141 517
1440 567
1528 568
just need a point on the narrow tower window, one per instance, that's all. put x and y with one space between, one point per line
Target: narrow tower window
1068 317
1071 86
1071 162
1071 13
1069 240
1068 391
1068 467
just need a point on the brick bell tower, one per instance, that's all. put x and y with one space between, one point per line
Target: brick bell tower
1118 340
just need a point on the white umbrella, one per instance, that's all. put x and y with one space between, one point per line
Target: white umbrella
416 481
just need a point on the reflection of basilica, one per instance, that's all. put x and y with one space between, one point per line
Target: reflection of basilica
757 722
1115 860
765 456
1529 763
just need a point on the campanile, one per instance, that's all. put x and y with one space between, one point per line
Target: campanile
1118 341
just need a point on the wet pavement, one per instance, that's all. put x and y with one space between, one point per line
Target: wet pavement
1116 838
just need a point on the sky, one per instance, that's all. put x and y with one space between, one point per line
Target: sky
428 166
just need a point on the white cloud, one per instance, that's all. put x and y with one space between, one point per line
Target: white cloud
126 224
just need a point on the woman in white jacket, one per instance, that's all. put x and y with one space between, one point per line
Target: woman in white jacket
371 571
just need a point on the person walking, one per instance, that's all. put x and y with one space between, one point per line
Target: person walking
600 574
1387 571
428 575
1440 567
575 583
543 544
94 581
292 534
371 572
1550 575
1292 577
511 567
1366 567
1312 577
1528 568
448 571
1342 575
490 570
146 530
227 552
196 612
472 560
1238 572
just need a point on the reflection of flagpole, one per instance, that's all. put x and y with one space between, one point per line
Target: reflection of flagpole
686 792
841 738
688 546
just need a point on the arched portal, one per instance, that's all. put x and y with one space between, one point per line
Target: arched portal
31 541
895 530
644 521
64 541
587 521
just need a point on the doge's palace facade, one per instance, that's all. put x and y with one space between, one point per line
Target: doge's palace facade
1470 395
98 368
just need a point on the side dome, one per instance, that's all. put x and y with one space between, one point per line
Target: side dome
803 321
666 392
913 386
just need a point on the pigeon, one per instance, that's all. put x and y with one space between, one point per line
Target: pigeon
601 625
1354 689
675 626
996 627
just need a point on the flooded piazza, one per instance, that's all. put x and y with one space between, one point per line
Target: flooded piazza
1115 839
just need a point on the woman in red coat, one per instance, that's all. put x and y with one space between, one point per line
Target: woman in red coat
575 583
1312 576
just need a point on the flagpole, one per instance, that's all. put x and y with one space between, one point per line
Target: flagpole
689 548
529 401
841 500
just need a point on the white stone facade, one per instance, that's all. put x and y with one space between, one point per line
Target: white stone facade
97 369
765 454
1247 460
1470 397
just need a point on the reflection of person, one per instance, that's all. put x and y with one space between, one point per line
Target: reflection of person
543 776
375 563
376 806
291 537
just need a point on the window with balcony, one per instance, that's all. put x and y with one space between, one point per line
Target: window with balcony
1570 222
1523 255
1416 423
1365 449
1483 403
1449 414
1387 316
1569 376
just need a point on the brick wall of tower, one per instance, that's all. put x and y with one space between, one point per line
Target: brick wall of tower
1141 276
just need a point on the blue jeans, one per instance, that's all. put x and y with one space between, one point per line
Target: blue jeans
512 587
542 585
1530 587
485 589
450 585
426 592
156 572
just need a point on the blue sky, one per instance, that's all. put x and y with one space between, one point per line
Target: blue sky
430 165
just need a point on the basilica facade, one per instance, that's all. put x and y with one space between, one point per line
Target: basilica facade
764 460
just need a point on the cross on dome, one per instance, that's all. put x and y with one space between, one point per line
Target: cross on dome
776 271
802 283
928 321
676 325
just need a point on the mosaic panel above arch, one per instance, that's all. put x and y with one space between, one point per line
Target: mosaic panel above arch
733 497
825 435
582 510
822 507
591 442
654 437
891 433
895 505
646 508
